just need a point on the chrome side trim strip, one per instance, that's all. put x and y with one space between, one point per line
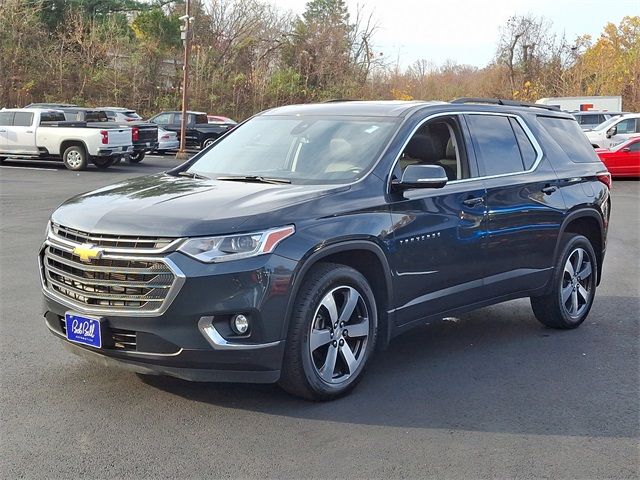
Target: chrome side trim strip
217 341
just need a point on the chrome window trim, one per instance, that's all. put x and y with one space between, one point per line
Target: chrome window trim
69 243
178 282
518 118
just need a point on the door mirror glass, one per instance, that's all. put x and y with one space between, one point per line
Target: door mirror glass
612 131
422 176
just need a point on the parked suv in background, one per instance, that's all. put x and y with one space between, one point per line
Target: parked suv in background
118 114
614 131
291 249
592 118
199 132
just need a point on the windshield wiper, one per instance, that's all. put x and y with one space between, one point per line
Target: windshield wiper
254 179
193 175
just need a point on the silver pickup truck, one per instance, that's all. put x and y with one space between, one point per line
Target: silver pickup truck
44 134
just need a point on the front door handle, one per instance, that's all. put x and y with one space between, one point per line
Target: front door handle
549 189
473 202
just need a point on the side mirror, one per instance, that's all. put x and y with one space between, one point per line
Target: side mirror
422 176
612 131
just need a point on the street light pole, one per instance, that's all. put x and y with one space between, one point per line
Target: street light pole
186 36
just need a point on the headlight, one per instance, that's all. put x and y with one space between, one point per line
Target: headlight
234 247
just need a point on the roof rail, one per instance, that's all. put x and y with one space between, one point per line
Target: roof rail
510 103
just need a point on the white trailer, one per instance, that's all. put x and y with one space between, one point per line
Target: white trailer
583 104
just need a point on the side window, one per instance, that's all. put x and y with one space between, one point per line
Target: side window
51 117
495 143
23 119
6 119
570 139
528 153
626 126
437 142
162 119
634 147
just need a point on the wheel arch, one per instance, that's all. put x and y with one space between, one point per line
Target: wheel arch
366 257
587 222
74 143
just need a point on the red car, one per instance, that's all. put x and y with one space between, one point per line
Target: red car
622 160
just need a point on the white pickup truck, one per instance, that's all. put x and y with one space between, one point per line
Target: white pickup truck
44 134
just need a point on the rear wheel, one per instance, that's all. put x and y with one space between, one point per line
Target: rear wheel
332 333
75 158
574 286
206 142
136 157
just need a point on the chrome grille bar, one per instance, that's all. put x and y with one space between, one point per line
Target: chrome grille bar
113 283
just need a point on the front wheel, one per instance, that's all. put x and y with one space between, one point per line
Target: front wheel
136 157
332 333
75 158
574 286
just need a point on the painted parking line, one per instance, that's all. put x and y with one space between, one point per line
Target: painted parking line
31 168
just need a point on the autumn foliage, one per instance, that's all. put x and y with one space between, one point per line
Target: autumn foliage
249 55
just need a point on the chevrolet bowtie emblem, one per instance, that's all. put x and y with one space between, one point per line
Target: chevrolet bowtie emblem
87 252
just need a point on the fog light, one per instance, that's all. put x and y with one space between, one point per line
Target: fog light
240 324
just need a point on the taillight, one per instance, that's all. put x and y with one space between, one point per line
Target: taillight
164 137
605 177
105 137
135 134
130 119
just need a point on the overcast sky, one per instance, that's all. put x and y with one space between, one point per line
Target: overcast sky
466 31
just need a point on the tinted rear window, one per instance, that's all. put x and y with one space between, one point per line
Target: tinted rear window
495 144
529 153
97 117
570 138
202 119
51 117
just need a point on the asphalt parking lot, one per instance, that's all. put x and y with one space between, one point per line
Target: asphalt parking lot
489 394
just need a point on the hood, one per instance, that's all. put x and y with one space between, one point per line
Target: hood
164 205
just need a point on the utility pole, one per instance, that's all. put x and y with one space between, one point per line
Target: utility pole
186 40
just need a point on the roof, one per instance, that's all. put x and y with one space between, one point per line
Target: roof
399 108
382 108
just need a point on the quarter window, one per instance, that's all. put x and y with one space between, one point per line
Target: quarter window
569 138
496 145
162 119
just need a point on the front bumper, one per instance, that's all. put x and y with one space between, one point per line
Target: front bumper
190 338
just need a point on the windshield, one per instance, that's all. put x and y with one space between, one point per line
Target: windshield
310 149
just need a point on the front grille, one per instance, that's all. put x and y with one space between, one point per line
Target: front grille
110 241
114 284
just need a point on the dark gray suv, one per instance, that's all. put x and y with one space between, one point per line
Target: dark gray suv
310 235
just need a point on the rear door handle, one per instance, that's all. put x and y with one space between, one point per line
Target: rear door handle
472 202
549 189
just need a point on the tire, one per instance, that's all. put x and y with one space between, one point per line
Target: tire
136 157
318 335
75 158
573 292
103 163
206 142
